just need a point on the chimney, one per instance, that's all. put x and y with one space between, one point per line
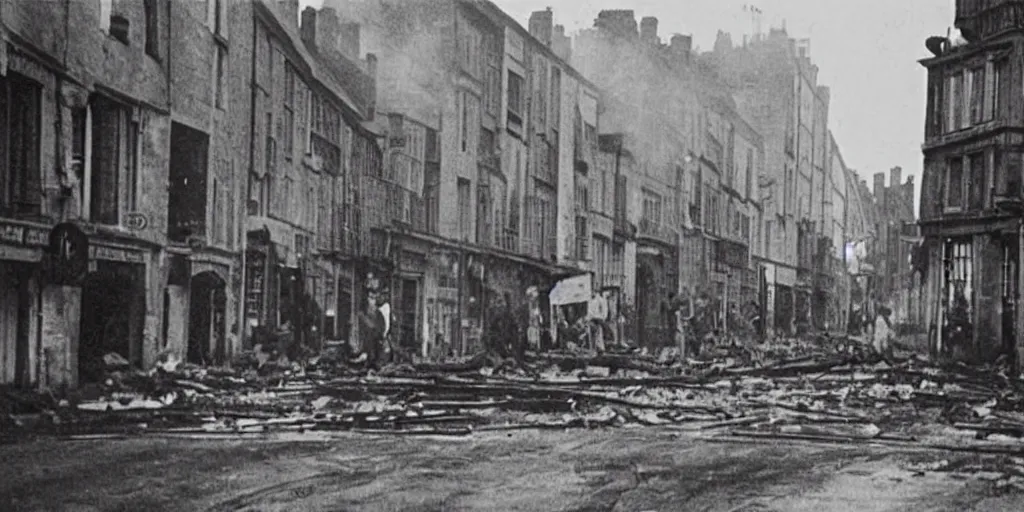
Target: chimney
308 28
540 25
649 30
348 40
371 70
561 44
290 10
620 22
681 46
879 188
896 176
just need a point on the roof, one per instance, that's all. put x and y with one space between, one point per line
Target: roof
502 17
313 65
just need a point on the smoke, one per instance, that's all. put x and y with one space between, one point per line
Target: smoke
412 69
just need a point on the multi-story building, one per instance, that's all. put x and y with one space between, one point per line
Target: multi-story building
831 261
649 112
775 85
308 145
970 191
122 128
206 180
509 135
693 185
85 110
897 233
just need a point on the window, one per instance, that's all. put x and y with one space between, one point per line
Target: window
288 123
1008 165
958 286
556 98
515 96
114 160
19 145
465 214
132 167
216 213
219 86
465 119
651 213
977 91
955 183
997 84
270 159
618 264
601 270
152 15
582 238
975 183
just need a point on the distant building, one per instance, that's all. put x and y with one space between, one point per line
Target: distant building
775 85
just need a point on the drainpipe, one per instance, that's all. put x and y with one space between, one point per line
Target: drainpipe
243 229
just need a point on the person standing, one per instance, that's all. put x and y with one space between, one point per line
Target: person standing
597 314
371 330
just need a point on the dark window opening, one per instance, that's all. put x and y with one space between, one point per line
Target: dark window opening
20 192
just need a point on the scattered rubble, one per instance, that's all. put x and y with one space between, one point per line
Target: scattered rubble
822 389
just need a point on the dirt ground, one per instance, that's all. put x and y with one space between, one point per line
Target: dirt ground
641 469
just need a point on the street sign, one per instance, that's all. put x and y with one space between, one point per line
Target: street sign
136 221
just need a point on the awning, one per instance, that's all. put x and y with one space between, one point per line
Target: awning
572 290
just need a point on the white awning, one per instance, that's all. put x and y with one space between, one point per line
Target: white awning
571 290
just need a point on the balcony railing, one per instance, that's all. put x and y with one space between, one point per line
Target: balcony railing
507 239
386 204
656 231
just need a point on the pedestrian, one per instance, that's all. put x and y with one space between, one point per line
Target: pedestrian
371 331
534 319
882 336
597 315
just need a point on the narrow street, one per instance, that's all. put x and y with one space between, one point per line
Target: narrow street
634 470
603 470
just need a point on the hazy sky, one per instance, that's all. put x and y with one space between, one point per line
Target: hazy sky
867 52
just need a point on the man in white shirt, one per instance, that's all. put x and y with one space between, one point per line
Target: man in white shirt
597 313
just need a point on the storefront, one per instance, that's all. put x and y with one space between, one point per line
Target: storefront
21 250
112 309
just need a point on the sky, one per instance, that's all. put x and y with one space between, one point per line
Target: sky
866 50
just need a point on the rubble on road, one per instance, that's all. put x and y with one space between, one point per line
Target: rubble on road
820 389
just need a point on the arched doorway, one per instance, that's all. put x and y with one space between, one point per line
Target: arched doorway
111 320
207 319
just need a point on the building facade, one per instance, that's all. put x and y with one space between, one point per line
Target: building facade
510 132
971 185
309 146
86 120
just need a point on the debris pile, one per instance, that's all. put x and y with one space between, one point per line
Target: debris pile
823 389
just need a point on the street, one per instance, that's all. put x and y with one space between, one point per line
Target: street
632 469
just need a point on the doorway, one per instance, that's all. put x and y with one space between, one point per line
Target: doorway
408 311
112 313
15 315
207 319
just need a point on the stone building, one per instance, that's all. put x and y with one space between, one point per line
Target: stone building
774 83
691 185
309 144
509 134
970 192
84 103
